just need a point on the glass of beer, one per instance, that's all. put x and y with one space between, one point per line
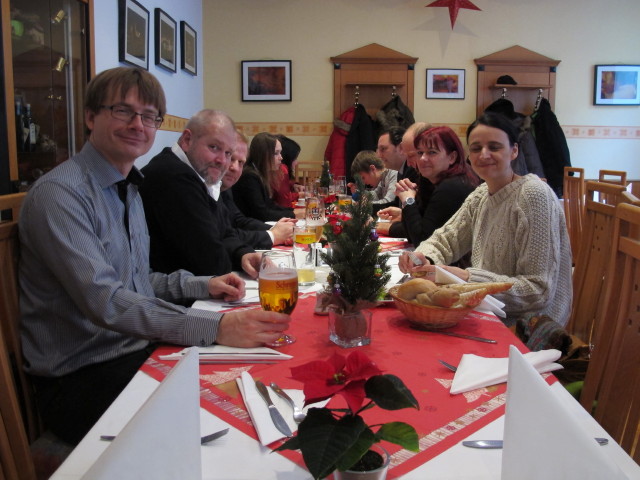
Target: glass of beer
278 286
303 237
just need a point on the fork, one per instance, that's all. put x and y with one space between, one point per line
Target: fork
448 365
298 414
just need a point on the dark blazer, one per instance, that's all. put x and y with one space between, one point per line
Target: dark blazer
250 230
187 227
250 196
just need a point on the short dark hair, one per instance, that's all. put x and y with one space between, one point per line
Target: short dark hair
496 120
395 135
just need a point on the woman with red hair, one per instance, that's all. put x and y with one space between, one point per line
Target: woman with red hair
446 179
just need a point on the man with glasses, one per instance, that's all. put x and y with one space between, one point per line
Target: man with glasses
181 193
90 306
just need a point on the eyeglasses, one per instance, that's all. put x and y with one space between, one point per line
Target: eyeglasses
125 114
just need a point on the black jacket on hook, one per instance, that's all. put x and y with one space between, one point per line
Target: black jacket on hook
552 145
394 113
360 137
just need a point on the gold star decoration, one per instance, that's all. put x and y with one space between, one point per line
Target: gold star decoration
454 6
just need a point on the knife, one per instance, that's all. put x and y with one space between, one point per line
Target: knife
276 417
498 443
468 337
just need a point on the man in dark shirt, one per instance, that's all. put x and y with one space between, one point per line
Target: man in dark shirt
187 226
251 231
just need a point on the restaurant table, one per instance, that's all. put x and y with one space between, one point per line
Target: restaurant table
442 422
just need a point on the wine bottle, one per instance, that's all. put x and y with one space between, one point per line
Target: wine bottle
30 142
19 125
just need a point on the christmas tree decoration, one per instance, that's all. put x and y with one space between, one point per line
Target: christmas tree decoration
454 6
357 267
325 176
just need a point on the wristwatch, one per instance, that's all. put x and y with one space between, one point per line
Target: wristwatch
408 201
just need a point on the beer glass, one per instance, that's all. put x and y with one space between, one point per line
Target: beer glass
303 237
278 286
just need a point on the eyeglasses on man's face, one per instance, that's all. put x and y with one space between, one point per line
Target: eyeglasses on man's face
126 114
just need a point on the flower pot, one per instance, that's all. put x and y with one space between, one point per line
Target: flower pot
377 474
349 329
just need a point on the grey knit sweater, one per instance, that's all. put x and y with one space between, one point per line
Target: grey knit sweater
516 235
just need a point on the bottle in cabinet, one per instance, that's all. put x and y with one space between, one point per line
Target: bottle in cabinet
20 138
30 129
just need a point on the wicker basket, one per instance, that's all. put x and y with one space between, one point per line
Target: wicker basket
428 317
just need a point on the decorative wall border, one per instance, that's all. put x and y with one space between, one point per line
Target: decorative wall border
324 129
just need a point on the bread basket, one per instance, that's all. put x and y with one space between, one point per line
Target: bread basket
428 317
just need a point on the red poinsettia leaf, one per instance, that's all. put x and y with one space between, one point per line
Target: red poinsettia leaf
354 394
337 362
360 367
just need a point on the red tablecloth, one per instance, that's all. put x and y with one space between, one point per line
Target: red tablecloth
443 419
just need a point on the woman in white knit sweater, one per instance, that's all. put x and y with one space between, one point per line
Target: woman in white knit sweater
513 226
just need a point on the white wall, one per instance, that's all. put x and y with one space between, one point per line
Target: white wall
579 33
184 91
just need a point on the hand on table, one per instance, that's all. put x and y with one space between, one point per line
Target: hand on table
229 287
251 263
405 188
393 214
251 328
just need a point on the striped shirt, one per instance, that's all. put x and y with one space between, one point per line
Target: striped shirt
87 294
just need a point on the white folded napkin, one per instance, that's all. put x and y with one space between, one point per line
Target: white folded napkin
489 303
542 438
224 354
162 440
259 412
476 372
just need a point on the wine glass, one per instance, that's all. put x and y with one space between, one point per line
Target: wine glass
278 286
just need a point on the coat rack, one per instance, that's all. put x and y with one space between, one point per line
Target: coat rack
371 71
532 72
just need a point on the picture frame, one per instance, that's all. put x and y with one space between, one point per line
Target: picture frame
133 33
266 80
616 85
445 83
165 29
188 48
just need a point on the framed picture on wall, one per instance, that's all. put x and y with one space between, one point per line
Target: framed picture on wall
616 85
188 48
165 40
445 83
133 33
266 80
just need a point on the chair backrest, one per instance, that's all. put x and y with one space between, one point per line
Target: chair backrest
9 310
307 172
617 177
589 275
573 202
612 385
16 397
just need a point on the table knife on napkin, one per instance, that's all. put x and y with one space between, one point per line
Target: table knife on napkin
276 417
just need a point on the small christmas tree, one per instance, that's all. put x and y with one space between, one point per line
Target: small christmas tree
359 273
325 176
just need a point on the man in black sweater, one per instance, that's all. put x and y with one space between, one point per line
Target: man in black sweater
252 231
187 226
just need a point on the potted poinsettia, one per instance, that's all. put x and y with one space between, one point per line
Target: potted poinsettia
338 439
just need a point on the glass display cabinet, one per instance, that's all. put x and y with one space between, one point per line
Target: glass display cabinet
47 69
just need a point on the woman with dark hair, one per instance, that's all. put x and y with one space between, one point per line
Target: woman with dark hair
253 192
514 227
285 190
445 182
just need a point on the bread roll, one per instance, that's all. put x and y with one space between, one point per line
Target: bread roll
410 290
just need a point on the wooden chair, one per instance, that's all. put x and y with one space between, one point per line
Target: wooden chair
617 177
590 274
15 455
573 202
307 172
612 385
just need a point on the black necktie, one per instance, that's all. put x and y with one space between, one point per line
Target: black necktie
122 193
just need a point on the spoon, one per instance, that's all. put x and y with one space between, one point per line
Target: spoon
203 440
